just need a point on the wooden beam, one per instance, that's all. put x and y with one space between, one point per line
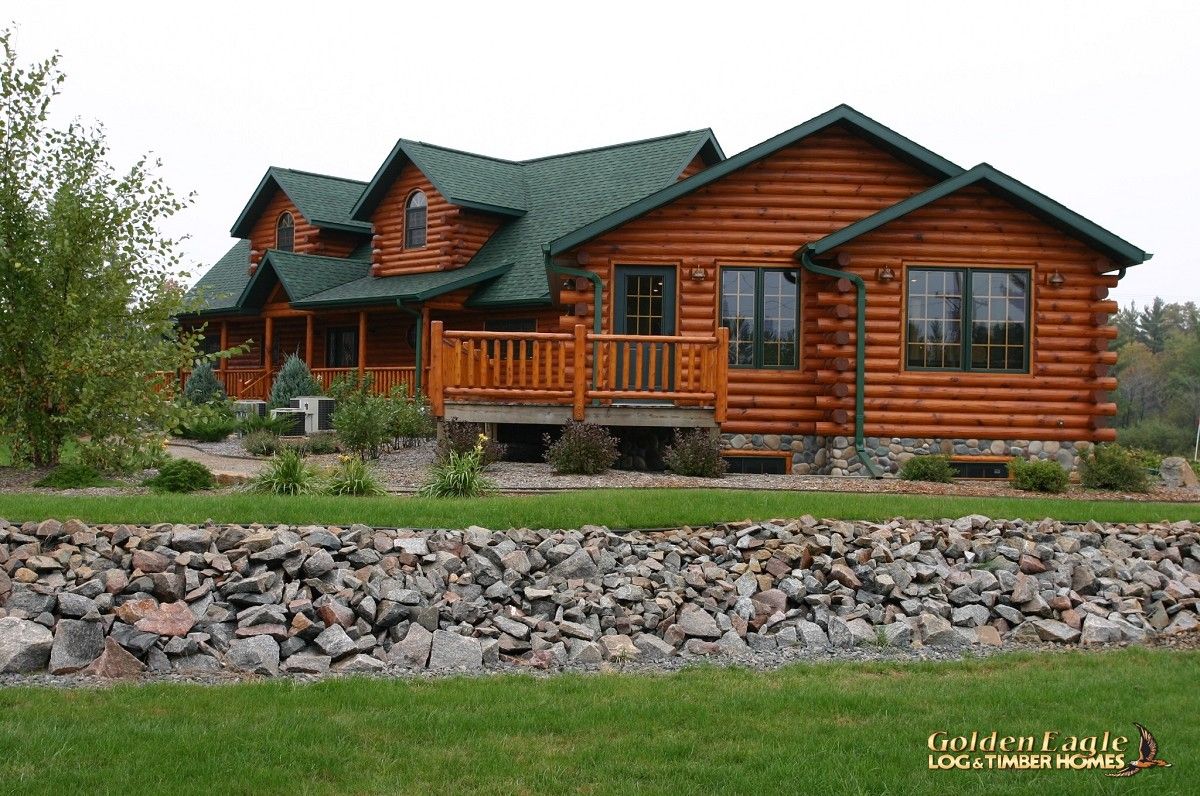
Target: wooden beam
308 340
580 375
437 402
224 345
362 344
721 408
268 342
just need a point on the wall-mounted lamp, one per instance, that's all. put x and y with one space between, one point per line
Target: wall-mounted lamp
1056 279
699 274
885 274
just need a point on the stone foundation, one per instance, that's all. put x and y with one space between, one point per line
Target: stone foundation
817 455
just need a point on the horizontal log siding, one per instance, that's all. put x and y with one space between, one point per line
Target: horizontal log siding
453 234
1063 395
759 215
695 167
262 234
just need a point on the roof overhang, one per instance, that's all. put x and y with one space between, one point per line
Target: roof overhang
924 159
262 196
407 288
1120 251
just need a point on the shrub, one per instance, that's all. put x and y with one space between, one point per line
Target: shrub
695 452
1037 475
73 476
935 468
181 475
262 443
211 422
363 422
272 425
583 449
287 474
122 455
294 380
353 476
1113 467
462 437
460 474
411 418
1157 435
202 385
323 442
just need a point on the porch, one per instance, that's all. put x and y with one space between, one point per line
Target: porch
550 378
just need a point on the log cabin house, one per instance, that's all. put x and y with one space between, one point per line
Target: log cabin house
833 300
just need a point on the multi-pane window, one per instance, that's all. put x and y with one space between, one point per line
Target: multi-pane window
644 304
285 233
416 211
341 347
992 304
760 307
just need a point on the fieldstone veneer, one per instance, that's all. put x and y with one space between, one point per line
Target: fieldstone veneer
119 600
835 455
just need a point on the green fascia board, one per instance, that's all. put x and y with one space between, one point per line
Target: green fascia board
905 148
302 275
323 200
1059 216
504 178
402 288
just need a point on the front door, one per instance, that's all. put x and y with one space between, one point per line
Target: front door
645 305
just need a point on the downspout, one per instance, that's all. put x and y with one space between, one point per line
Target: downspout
860 354
420 342
597 291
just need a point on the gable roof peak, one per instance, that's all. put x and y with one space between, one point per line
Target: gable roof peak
322 199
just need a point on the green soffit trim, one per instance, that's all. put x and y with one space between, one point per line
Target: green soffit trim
404 288
908 150
323 200
1070 222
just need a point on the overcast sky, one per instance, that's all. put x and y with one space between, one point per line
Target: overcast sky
1092 103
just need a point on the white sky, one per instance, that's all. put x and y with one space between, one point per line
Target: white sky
1092 103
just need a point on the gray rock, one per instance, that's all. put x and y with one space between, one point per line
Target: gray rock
413 650
653 647
619 647
452 651
76 644
1097 630
576 630
812 636
1177 473
577 565
307 663
1053 630
334 642
897 634
584 652
839 633
257 655
359 664
695 621
75 606
24 646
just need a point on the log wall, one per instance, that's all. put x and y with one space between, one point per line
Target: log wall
453 234
262 234
763 213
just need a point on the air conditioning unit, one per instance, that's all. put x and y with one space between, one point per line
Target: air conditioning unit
245 409
296 429
318 412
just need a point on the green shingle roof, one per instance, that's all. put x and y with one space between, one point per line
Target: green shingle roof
406 287
302 276
324 201
1121 251
221 286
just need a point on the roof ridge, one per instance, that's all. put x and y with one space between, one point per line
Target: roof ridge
317 174
461 151
652 139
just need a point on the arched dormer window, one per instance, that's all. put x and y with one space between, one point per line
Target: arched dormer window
415 220
285 233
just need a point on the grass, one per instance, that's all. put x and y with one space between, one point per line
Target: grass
617 508
824 728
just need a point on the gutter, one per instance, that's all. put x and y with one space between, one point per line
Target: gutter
420 342
597 285
860 353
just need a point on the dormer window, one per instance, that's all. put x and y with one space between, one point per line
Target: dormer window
415 220
285 233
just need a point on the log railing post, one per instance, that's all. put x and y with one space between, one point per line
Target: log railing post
362 344
437 399
268 343
308 340
223 362
580 375
721 406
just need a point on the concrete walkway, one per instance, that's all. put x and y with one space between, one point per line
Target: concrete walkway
227 469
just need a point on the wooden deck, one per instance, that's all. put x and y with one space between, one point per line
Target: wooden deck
604 378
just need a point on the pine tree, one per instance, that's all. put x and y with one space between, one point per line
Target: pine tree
294 380
202 386
1152 326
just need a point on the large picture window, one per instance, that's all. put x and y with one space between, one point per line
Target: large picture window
967 319
760 307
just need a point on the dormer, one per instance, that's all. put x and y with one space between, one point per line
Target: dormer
301 212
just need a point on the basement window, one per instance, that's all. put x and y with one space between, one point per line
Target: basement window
981 468
741 464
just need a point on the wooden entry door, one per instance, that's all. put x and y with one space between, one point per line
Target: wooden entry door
644 305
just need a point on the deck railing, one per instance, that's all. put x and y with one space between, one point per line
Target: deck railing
575 369
249 384
383 380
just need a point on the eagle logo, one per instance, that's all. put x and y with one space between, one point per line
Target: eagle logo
1147 756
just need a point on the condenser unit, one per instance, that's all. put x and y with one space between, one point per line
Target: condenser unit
296 429
245 409
318 412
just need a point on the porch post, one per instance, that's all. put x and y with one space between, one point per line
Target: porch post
362 343
268 343
222 363
437 405
308 340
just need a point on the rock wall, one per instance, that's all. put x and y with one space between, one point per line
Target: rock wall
835 455
118 600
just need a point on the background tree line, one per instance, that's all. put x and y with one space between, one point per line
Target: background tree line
1158 376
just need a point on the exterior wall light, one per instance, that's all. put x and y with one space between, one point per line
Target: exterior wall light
699 274
1056 279
885 274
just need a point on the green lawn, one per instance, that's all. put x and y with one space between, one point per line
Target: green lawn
617 508
825 728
